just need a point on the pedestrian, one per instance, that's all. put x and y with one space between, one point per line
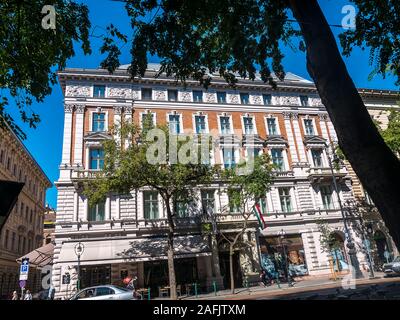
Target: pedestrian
28 295
14 296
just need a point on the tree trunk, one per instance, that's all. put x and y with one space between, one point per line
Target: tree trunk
170 252
231 269
374 163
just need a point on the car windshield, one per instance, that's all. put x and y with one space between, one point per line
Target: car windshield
397 259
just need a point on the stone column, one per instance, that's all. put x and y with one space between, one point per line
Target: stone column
292 145
297 135
78 143
117 119
128 119
66 151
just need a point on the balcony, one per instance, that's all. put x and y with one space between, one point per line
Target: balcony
85 174
283 174
323 174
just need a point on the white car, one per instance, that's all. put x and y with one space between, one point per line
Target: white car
106 292
392 268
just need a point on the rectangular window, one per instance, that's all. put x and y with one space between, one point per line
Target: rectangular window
262 202
267 99
97 212
20 245
98 122
150 204
147 94
304 101
277 159
248 125
208 201
233 205
309 127
1 156
13 238
148 120
244 98
181 208
285 199
326 195
197 96
172 95
24 244
221 97
96 159
317 157
253 152
228 157
225 125
272 129
174 123
99 91
200 122
6 239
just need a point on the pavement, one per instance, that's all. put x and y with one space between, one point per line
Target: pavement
301 286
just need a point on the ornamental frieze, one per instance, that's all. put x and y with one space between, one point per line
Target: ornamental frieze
289 100
160 95
77 91
256 99
315 102
233 98
185 96
120 92
210 97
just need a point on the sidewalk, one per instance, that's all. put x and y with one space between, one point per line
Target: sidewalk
300 286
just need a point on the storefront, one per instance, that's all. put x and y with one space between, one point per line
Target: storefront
273 251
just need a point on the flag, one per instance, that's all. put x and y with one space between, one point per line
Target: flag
257 212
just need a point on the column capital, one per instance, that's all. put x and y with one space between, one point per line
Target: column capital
80 108
68 108
117 109
323 116
129 110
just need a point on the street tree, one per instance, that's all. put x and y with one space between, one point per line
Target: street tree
33 45
245 186
391 134
194 39
154 158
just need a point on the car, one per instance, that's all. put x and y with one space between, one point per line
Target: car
41 295
392 268
106 292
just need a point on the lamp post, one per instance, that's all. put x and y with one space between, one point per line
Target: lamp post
350 243
281 235
79 248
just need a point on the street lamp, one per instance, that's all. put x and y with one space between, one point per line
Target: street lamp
79 248
281 235
350 244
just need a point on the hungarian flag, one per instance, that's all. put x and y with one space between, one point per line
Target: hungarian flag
257 212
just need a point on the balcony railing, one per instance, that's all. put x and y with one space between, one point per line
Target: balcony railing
85 174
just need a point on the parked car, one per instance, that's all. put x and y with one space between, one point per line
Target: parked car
106 292
41 295
392 268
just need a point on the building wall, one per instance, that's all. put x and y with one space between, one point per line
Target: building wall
124 213
25 223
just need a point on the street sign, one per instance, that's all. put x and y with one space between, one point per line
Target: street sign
24 269
22 284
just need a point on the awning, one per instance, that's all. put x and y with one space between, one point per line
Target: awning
9 191
40 257
133 250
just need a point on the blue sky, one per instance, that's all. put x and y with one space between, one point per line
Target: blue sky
45 142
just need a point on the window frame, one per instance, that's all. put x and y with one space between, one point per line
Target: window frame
98 160
99 86
156 213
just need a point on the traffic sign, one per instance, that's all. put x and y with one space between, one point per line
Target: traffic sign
22 284
24 269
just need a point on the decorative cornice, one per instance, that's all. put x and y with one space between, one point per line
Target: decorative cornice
128 110
68 108
80 108
118 110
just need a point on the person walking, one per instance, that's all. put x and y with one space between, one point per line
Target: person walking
14 296
28 295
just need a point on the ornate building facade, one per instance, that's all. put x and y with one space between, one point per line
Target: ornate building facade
23 231
125 235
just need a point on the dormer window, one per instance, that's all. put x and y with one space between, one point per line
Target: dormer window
244 98
197 96
172 95
221 97
147 94
99 91
267 99
304 101
98 121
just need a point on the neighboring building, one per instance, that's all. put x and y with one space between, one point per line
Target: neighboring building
125 235
49 225
23 231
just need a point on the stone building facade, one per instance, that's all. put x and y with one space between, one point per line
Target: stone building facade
126 234
23 231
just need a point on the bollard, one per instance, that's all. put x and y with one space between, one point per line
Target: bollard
215 287
148 294
195 289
